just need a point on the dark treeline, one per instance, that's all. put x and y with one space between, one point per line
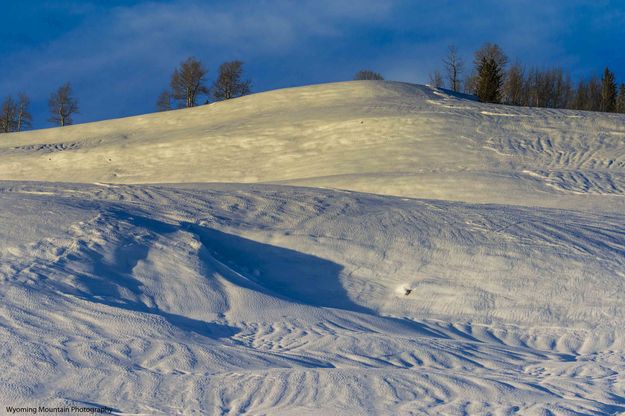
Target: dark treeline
368 75
493 80
553 88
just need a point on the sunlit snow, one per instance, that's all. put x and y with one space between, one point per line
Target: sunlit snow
348 249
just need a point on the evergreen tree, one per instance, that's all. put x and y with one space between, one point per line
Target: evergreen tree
490 51
489 80
486 52
608 91
620 100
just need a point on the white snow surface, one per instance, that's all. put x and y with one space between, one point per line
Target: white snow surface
342 249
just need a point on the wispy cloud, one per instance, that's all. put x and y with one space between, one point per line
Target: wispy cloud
119 54
120 57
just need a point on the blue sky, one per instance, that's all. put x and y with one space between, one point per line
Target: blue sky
119 54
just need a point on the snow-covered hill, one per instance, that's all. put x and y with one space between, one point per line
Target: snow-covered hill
381 137
488 279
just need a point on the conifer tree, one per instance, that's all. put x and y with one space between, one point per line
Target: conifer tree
489 80
485 54
488 51
620 99
608 91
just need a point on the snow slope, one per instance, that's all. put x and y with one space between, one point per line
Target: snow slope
381 137
490 283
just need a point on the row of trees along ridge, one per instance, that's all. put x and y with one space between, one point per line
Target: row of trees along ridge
188 83
493 80
15 115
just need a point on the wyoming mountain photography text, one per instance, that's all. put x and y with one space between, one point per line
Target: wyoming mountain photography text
302 208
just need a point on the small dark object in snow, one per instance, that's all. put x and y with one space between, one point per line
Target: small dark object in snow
408 291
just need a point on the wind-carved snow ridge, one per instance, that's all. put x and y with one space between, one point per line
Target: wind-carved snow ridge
409 251
273 299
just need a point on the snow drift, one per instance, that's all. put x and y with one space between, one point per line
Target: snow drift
487 280
381 137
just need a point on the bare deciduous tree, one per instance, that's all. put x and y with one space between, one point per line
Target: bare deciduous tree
62 106
187 82
368 75
514 86
229 83
436 79
594 94
23 117
8 114
581 102
454 67
470 83
549 88
163 103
